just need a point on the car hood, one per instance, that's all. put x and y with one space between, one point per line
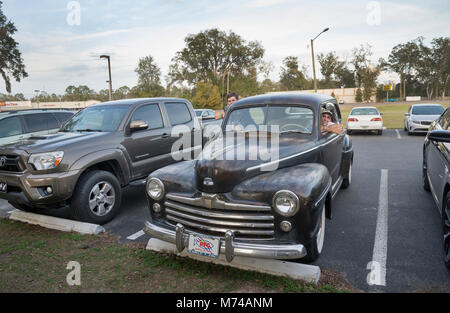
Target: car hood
55 142
222 166
426 118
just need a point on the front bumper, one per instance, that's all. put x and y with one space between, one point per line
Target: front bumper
228 246
26 188
416 128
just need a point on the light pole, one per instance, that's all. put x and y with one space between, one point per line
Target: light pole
37 95
109 69
314 64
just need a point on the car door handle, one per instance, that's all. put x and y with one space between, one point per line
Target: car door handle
165 136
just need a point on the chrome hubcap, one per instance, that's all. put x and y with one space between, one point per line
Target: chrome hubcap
102 198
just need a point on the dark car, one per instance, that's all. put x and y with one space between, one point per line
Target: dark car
19 125
97 152
436 176
238 201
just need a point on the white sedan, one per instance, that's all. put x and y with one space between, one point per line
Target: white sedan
365 119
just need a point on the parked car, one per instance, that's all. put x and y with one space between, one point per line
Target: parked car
258 207
19 125
365 119
436 178
205 114
100 150
420 116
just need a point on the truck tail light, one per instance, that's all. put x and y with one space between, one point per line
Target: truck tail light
376 119
352 119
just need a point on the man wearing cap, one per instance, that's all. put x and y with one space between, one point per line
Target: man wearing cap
328 125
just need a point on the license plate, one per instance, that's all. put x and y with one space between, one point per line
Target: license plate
3 187
364 126
204 246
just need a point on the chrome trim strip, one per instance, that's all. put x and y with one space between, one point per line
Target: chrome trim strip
292 156
206 213
324 193
228 246
337 184
219 229
219 222
211 202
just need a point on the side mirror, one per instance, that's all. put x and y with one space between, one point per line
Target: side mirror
381 114
407 114
439 135
138 125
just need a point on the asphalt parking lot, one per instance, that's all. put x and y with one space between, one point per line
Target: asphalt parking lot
384 216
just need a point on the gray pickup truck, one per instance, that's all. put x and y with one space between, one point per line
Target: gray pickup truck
100 150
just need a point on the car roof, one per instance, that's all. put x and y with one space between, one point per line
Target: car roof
33 111
136 101
314 100
365 108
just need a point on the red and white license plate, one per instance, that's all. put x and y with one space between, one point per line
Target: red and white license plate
205 246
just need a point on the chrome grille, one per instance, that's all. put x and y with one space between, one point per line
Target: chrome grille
425 123
209 215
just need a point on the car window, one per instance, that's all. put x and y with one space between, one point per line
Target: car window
63 116
178 113
151 114
291 119
198 113
40 122
365 111
10 126
97 118
428 110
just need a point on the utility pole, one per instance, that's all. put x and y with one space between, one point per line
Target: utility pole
109 70
313 62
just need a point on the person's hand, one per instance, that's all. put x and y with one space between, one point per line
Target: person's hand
335 128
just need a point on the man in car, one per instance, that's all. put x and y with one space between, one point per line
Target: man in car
232 97
328 125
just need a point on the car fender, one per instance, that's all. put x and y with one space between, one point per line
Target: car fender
107 155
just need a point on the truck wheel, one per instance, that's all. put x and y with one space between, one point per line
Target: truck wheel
314 249
97 197
347 180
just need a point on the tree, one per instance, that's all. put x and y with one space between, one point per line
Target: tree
122 93
207 96
80 93
402 60
366 72
11 62
149 81
441 58
214 56
291 78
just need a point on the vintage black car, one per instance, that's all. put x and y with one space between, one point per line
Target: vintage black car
436 176
271 204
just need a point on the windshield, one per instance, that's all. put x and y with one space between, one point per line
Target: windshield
273 118
100 118
428 110
365 111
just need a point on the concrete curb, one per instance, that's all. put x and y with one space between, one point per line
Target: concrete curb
297 271
56 223
5 214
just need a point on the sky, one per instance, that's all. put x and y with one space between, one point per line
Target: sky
61 41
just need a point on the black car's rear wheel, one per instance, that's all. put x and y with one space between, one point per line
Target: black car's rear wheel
347 180
446 230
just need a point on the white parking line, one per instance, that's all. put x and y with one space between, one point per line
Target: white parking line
378 264
398 134
136 236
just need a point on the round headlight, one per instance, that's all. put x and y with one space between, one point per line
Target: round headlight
286 203
155 188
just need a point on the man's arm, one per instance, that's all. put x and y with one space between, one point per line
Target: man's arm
335 128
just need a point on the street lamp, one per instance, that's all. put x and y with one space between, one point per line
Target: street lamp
109 69
314 65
